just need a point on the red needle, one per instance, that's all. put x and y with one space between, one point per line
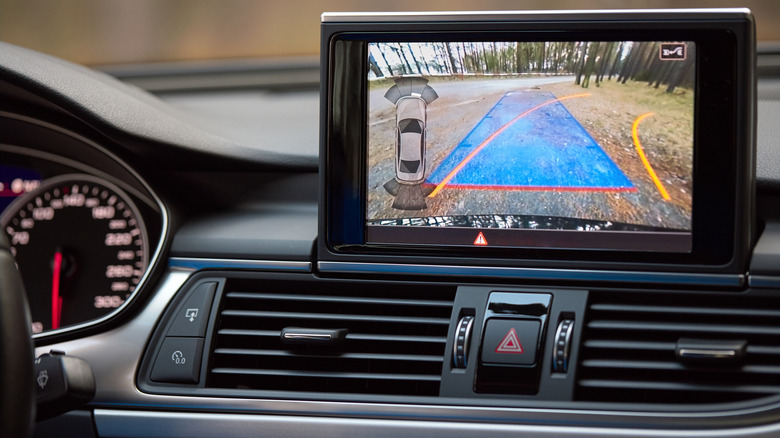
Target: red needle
56 299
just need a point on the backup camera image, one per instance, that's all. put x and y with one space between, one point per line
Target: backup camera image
572 135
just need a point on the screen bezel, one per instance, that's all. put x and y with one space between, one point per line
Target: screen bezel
722 207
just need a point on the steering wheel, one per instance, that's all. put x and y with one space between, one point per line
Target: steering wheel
17 396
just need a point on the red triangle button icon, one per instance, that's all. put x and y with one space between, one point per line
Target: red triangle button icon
480 240
510 343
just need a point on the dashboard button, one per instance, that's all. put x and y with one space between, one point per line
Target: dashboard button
178 361
192 317
510 341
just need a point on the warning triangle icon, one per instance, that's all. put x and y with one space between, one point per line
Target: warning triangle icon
480 240
510 343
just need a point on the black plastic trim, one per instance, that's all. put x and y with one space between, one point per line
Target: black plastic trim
726 92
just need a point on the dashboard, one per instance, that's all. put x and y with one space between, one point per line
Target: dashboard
174 240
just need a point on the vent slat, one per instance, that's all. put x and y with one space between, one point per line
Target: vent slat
337 317
662 326
353 336
629 348
666 310
325 375
676 386
306 355
763 349
674 366
247 332
612 344
395 340
336 299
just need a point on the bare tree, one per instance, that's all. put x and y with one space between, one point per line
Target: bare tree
609 53
449 56
408 67
680 74
570 52
590 64
616 61
414 58
581 63
372 65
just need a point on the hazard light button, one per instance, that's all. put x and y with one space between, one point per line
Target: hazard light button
510 341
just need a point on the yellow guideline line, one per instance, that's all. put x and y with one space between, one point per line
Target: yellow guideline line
642 156
482 145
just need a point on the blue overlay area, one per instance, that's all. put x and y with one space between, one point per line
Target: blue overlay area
547 148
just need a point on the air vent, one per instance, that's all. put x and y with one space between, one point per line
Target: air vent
394 344
632 344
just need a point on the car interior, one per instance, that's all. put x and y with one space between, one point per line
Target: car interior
505 223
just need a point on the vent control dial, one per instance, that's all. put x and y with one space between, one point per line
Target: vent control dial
560 363
460 348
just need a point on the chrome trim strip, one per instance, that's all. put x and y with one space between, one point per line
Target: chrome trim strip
604 14
697 353
196 264
120 424
311 336
683 278
164 230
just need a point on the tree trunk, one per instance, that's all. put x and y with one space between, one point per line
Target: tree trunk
630 59
663 76
373 66
569 66
581 63
485 58
591 63
414 58
608 53
616 62
449 56
390 69
442 55
403 56
678 76
461 53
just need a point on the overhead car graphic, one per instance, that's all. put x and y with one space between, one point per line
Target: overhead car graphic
411 97
410 116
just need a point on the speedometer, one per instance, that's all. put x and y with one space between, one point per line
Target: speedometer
81 247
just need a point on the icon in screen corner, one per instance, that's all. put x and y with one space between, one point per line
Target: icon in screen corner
673 51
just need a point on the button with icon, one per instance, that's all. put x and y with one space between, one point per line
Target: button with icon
191 317
178 361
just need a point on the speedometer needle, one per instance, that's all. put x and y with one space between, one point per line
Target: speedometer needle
56 299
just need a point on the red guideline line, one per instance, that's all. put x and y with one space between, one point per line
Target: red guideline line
650 171
492 137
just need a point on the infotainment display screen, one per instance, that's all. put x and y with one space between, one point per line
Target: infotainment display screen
552 144
539 139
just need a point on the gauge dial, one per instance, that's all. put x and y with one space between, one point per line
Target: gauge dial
81 247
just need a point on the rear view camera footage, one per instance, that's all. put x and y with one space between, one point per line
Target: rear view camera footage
567 136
